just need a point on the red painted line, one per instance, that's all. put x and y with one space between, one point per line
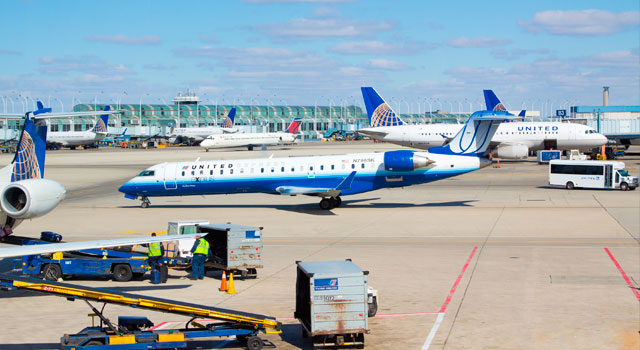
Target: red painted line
407 314
624 275
158 326
455 285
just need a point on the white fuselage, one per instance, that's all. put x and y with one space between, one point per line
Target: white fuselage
533 135
74 138
199 134
247 140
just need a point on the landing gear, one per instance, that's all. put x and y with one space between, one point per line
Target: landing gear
330 203
145 202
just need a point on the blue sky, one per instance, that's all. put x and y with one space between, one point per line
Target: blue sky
418 54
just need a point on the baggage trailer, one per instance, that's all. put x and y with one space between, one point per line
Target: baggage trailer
235 248
331 303
134 333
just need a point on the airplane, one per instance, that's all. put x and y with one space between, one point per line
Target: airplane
251 140
512 140
179 135
72 139
328 177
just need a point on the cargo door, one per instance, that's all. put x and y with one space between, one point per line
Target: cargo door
170 176
608 183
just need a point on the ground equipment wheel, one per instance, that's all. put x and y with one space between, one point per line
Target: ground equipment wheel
94 343
250 148
373 307
624 186
570 185
254 343
51 272
253 273
122 273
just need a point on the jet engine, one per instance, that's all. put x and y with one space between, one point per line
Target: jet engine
515 151
404 160
27 199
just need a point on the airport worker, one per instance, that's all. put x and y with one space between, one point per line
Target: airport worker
200 250
156 252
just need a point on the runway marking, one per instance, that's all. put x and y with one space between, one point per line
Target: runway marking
433 332
624 275
455 285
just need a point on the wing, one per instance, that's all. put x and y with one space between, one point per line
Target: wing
345 184
71 246
371 132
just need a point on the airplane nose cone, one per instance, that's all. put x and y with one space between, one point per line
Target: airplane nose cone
126 188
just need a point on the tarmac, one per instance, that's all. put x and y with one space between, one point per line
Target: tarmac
493 259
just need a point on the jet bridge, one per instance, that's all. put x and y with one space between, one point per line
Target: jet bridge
243 325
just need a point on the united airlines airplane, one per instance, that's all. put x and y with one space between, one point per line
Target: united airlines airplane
327 177
72 139
251 140
179 135
512 140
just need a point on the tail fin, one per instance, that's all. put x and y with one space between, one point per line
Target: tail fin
380 113
101 124
493 102
474 138
230 119
294 126
523 113
41 109
28 162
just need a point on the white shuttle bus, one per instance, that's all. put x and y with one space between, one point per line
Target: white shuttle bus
591 174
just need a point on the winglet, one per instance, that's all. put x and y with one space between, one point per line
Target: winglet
493 102
346 183
523 113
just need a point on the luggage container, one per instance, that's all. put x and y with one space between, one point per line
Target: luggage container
545 156
235 248
331 303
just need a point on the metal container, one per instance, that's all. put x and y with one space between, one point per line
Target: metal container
234 247
331 302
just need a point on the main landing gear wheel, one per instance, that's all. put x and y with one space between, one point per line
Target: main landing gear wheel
145 202
326 203
338 202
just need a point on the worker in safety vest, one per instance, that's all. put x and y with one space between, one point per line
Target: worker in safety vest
201 250
156 252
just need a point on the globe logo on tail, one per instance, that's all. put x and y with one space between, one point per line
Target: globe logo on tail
384 116
26 163
499 108
100 127
227 123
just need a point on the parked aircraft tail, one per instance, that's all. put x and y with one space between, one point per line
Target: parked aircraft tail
380 113
474 138
230 119
493 102
28 162
294 126
102 122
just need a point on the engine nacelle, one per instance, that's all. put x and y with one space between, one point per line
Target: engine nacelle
27 199
511 151
404 160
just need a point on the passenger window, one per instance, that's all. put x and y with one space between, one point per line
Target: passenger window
262 170
231 171
353 166
183 173
272 169
293 169
193 172
210 172
221 171
332 166
282 169
362 166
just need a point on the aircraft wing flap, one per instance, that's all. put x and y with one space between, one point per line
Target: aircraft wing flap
71 246
371 132
345 184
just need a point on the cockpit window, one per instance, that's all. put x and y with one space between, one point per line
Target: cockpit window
147 173
591 131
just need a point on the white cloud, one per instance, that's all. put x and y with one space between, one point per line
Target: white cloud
322 26
380 63
88 64
582 22
377 48
510 55
159 66
464 42
125 39
9 52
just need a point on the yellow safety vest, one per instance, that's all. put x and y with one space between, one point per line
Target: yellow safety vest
203 247
154 249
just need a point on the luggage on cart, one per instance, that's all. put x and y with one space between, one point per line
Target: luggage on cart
156 276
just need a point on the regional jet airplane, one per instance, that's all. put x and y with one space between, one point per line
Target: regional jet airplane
251 140
512 140
327 177
179 135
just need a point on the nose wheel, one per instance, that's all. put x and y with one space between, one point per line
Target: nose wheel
145 202
330 203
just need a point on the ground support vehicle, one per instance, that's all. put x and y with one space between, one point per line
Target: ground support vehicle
331 303
545 156
130 332
591 174
235 248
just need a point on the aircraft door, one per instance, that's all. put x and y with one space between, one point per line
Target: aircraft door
607 176
311 170
170 176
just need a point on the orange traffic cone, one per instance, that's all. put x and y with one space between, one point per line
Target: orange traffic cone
223 284
232 288
497 164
